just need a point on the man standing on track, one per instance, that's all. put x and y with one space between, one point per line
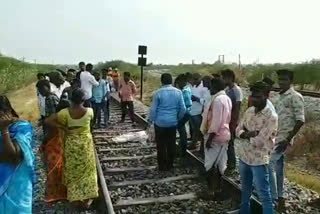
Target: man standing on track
126 94
255 140
166 110
181 83
200 97
106 106
98 99
290 108
87 82
215 128
235 94
109 78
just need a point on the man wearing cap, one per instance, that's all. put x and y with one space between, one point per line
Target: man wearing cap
255 138
289 105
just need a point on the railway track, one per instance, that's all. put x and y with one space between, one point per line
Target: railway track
131 183
303 92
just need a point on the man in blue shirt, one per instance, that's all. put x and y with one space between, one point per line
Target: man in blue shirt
167 109
98 99
181 83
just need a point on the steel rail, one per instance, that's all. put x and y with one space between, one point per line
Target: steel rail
104 189
303 92
231 187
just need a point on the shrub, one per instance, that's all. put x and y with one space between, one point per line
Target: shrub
15 74
307 144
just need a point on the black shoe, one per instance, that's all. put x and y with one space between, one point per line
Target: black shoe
162 169
96 127
281 204
204 195
192 146
220 196
201 151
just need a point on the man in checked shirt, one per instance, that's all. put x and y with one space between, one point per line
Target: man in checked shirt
255 140
289 105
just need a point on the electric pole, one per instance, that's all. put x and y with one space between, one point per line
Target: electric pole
23 63
221 57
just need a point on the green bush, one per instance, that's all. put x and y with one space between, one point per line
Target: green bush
15 74
122 66
305 73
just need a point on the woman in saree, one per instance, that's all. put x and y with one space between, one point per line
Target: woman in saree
80 166
17 161
52 148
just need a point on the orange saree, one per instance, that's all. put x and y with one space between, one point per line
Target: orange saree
53 157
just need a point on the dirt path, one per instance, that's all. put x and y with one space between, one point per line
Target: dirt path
24 101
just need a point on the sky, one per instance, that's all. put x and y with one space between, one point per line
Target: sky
175 31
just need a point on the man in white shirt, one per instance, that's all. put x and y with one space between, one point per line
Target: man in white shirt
58 83
200 97
108 79
87 82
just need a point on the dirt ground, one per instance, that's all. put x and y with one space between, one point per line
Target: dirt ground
24 101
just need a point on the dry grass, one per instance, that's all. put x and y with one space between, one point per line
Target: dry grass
24 101
307 144
151 84
309 181
304 155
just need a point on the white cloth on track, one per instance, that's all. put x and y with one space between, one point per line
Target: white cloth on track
140 136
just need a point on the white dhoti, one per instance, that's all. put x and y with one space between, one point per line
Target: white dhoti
216 156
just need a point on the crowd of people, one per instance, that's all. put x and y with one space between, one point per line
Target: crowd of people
259 139
72 103
73 106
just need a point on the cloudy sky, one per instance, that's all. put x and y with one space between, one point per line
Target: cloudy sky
67 31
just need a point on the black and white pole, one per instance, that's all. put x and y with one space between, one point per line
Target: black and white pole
142 50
